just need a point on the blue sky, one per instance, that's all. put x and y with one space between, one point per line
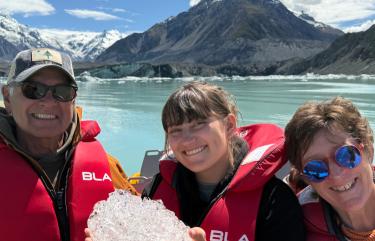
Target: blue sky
93 15
138 15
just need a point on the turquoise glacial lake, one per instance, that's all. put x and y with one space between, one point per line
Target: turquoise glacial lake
129 109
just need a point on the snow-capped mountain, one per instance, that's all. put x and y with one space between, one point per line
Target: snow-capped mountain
323 27
15 36
81 45
101 42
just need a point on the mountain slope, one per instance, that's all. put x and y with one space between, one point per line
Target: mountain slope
321 26
7 49
353 53
15 37
259 32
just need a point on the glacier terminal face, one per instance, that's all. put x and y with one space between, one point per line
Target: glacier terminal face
125 217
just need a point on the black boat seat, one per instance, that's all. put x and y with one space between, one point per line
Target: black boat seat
150 167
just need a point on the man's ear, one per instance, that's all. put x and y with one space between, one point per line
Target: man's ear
231 124
6 97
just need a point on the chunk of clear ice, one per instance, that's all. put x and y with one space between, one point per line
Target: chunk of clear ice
125 217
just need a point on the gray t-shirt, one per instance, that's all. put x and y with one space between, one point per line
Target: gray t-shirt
206 190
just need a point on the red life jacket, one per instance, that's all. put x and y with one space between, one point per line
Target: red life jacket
27 210
314 217
233 215
319 223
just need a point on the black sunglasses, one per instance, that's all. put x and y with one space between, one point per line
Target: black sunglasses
35 90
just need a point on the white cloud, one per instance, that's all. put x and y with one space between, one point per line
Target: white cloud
115 10
84 13
119 10
337 13
28 7
363 27
334 12
194 2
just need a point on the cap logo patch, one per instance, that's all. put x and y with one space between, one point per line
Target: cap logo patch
46 55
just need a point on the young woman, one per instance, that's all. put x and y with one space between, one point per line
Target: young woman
220 177
331 145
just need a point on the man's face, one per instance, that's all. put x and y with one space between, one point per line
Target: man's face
44 118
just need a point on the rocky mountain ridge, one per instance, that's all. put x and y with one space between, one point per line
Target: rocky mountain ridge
353 53
256 33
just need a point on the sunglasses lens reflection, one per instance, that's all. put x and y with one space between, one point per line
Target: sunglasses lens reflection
316 170
348 156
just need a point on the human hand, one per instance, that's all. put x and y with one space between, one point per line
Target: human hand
196 234
88 235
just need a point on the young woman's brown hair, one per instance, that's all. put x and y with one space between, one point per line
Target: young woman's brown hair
198 101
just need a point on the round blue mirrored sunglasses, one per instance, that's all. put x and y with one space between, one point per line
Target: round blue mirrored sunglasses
347 156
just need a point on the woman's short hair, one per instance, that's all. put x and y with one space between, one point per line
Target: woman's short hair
331 114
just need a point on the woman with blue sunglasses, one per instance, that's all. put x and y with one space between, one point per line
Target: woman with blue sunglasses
331 145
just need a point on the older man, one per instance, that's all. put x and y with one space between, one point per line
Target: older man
52 168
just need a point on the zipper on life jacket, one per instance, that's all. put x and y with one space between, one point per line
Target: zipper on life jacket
61 214
57 198
57 195
60 199
61 206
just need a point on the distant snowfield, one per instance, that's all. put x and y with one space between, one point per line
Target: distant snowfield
71 41
308 77
85 77
80 45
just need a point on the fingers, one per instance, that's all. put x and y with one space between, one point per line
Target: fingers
197 234
88 235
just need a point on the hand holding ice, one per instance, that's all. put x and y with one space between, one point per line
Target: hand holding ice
124 217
